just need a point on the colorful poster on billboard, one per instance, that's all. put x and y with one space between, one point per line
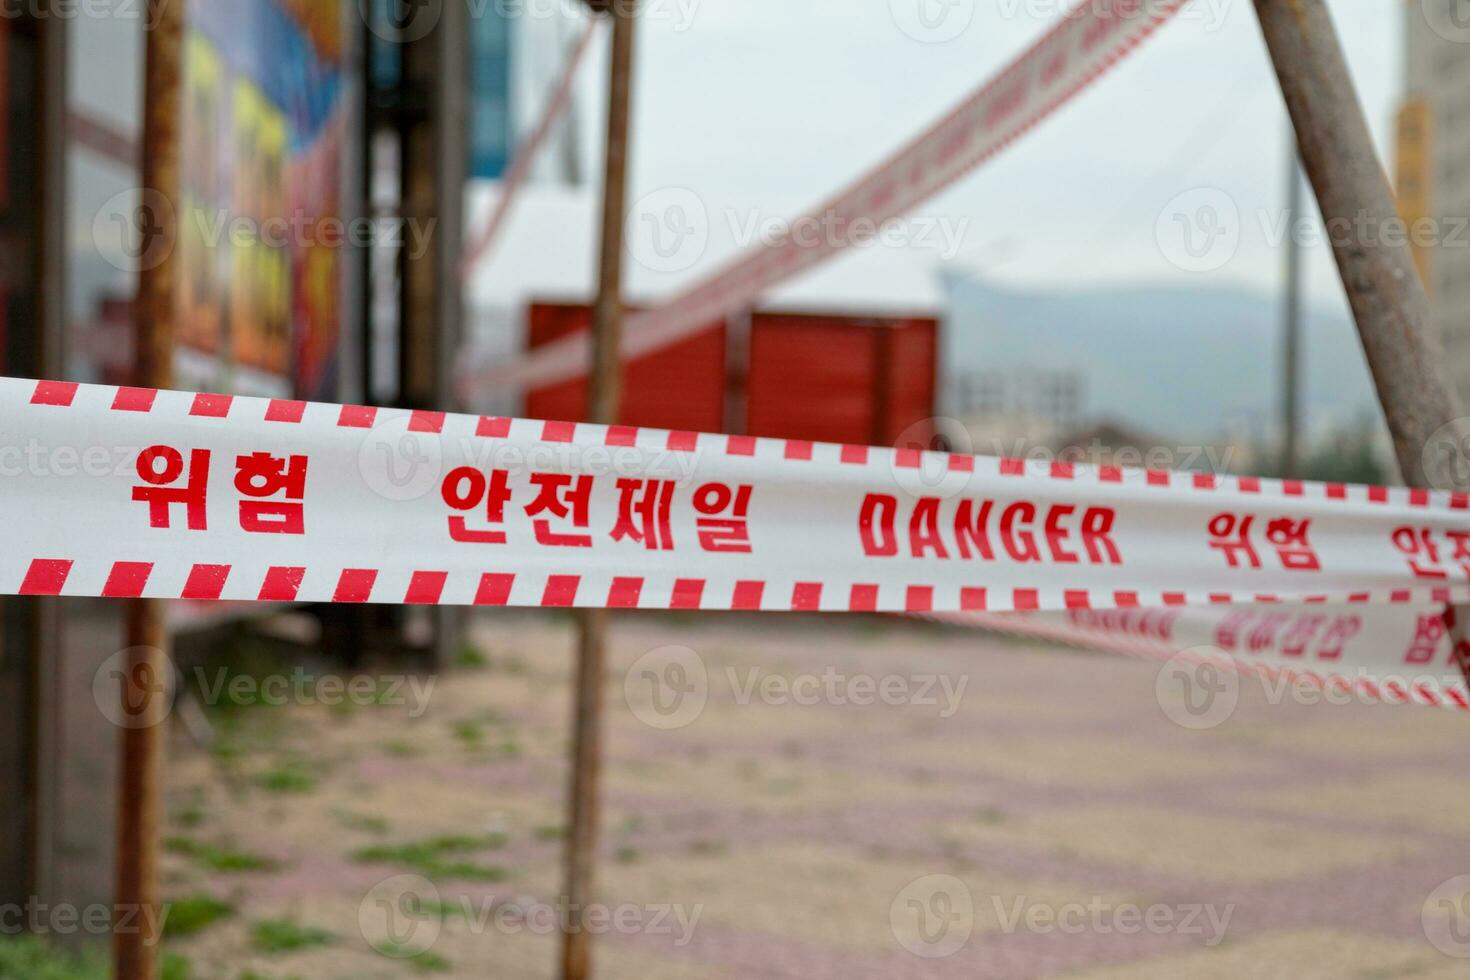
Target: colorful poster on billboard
265 123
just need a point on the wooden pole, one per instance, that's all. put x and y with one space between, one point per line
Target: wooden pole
1292 322
602 406
1377 265
139 803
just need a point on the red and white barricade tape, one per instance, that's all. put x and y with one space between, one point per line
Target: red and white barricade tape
134 492
1088 41
1399 654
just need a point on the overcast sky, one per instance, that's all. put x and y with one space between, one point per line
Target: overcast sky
774 104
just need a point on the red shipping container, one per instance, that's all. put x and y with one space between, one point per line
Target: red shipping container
849 379
680 387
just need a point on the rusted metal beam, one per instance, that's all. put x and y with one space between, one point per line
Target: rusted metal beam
139 804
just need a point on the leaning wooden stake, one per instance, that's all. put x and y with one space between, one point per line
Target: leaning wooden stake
135 945
1377 266
602 407
1373 256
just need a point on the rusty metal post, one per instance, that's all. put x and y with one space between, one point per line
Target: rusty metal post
1377 268
602 406
139 803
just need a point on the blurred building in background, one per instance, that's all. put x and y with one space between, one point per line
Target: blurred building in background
1433 164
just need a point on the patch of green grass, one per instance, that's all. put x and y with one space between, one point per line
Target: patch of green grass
190 815
708 848
220 857
366 822
626 854
471 657
402 750
194 913
440 857
288 776
548 831
471 733
427 961
275 936
175 967
31 958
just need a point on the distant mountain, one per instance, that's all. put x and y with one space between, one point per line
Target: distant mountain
1186 363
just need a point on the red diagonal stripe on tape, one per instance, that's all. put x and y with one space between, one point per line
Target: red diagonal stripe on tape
45 576
355 585
281 584
127 580
206 582
426 588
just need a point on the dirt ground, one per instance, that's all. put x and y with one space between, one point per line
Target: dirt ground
999 810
